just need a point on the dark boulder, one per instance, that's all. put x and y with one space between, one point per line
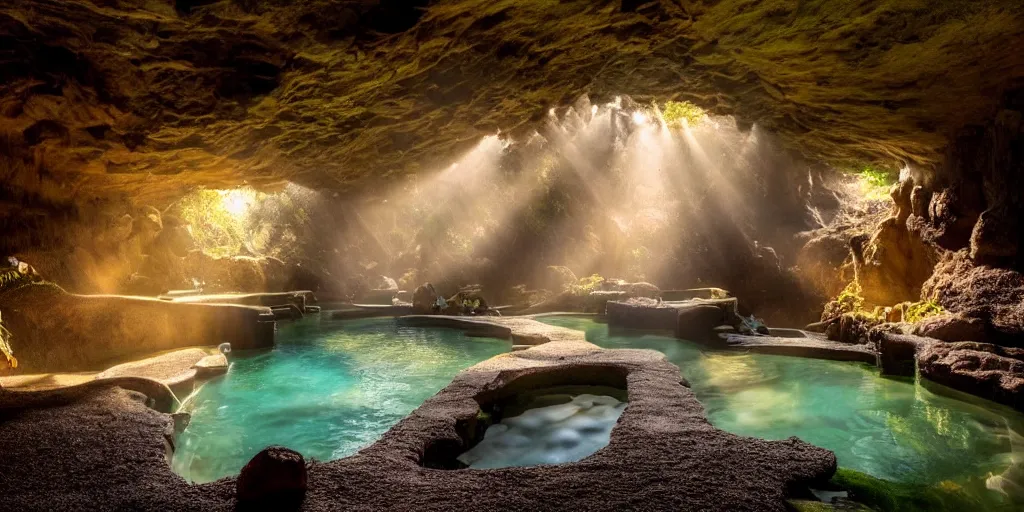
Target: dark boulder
424 299
952 327
698 323
897 352
982 369
275 479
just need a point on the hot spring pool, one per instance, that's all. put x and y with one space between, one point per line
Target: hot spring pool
326 390
892 429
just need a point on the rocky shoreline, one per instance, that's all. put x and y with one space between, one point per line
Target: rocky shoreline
663 455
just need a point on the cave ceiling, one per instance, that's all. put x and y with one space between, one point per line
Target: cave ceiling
148 98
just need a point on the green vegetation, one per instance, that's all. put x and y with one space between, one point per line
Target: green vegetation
217 219
676 112
579 287
885 496
850 300
917 311
874 180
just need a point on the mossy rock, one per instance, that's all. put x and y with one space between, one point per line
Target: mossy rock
885 496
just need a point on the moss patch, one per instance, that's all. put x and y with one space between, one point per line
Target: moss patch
885 496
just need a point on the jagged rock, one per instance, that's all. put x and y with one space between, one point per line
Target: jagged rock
994 295
274 478
896 262
982 369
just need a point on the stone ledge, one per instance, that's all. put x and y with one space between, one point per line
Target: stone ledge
812 347
982 369
663 436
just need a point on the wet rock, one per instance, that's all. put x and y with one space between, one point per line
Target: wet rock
951 327
982 369
897 353
209 366
110 327
274 479
698 323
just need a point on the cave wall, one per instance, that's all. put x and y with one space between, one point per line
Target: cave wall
109 107
150 98
955 235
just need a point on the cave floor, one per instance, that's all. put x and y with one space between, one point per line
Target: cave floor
99 447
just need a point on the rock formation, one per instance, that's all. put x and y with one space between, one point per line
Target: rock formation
135 103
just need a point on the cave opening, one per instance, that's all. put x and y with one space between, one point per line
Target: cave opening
339 226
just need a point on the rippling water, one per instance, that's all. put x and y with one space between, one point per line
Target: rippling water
893 429
326 390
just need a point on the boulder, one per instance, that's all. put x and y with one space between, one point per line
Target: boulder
423 299
951 327
819 262
212 365
897 353
698 323
982 369
995 295
274 479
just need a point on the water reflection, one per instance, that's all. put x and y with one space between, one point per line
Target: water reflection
326 390
894 429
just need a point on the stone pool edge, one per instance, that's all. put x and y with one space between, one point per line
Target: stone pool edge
663 455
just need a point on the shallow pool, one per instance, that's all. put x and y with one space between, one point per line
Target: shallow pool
326 390
893 429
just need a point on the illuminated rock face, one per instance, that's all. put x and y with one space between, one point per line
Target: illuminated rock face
146 99
137 102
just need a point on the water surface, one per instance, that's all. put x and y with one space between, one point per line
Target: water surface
894 429
326 390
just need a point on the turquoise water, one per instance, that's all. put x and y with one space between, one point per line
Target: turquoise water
552 434
326 390
892 429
